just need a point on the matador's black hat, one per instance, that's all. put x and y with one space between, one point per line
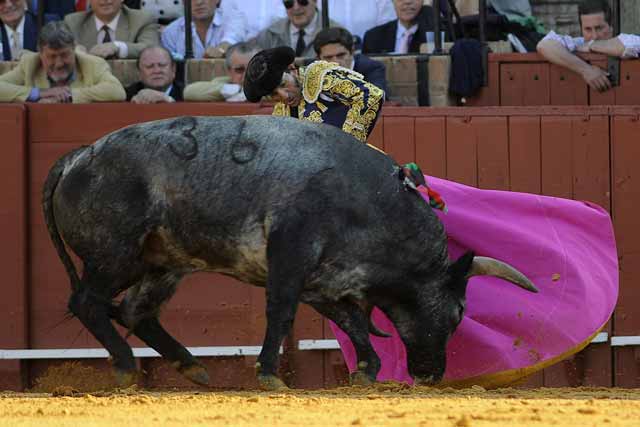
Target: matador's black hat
264 71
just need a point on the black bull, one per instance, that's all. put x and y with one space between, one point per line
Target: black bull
304 210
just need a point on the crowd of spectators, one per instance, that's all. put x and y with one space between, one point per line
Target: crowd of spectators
230 29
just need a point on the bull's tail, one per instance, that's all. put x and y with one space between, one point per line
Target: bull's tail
49 218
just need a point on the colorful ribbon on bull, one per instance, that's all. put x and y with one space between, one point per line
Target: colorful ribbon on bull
414 179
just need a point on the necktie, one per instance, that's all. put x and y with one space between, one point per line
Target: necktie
404 43
107 36
300 44
15 46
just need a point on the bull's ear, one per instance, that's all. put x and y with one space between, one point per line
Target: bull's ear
459 269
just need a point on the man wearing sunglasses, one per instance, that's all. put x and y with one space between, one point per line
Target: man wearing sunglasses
225 88
323 92
297 30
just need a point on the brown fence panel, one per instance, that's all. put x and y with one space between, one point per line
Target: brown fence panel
524 154
431 145
493 152
462 151
399 140
14 309
626 203
566 87
575 164
524 84
628 93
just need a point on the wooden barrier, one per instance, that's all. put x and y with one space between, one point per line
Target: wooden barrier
514 80
14 308
528 79
573 152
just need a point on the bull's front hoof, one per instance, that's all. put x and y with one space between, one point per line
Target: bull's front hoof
196 374
361 379
271 383
125 379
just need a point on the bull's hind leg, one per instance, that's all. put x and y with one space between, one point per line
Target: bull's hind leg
139 312
353 321
91 304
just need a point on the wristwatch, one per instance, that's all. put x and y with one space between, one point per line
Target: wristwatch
589 43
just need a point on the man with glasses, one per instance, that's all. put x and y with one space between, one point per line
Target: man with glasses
157 83
297 30
336 44
18 28
323 92
225 88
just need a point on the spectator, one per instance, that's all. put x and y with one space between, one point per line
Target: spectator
597 36
111 30
323 92
19 30
157 78
297 30
212 33
335 44
358 16
402 35
59 74
255 17
225 88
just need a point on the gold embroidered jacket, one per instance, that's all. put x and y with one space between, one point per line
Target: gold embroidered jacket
336 96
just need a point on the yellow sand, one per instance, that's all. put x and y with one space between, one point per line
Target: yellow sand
382 405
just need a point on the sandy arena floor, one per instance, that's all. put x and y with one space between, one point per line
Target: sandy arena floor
382 405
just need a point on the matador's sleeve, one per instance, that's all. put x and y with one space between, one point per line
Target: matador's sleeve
364 100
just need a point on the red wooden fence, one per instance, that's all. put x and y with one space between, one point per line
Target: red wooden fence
517 79
574 152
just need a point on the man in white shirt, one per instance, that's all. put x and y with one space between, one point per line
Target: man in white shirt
597 36
358 16
402 35
211 33
297 30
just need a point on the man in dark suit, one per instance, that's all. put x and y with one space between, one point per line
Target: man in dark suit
403 35
18 28
157 78
335 44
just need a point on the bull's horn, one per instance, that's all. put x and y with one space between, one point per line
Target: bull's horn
373 329
485 266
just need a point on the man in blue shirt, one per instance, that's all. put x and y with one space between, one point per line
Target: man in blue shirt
211 33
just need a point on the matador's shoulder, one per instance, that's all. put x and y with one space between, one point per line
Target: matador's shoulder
315 78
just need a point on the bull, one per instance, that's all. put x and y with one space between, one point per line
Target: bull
303 210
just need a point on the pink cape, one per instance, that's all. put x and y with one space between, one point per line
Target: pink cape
567 248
